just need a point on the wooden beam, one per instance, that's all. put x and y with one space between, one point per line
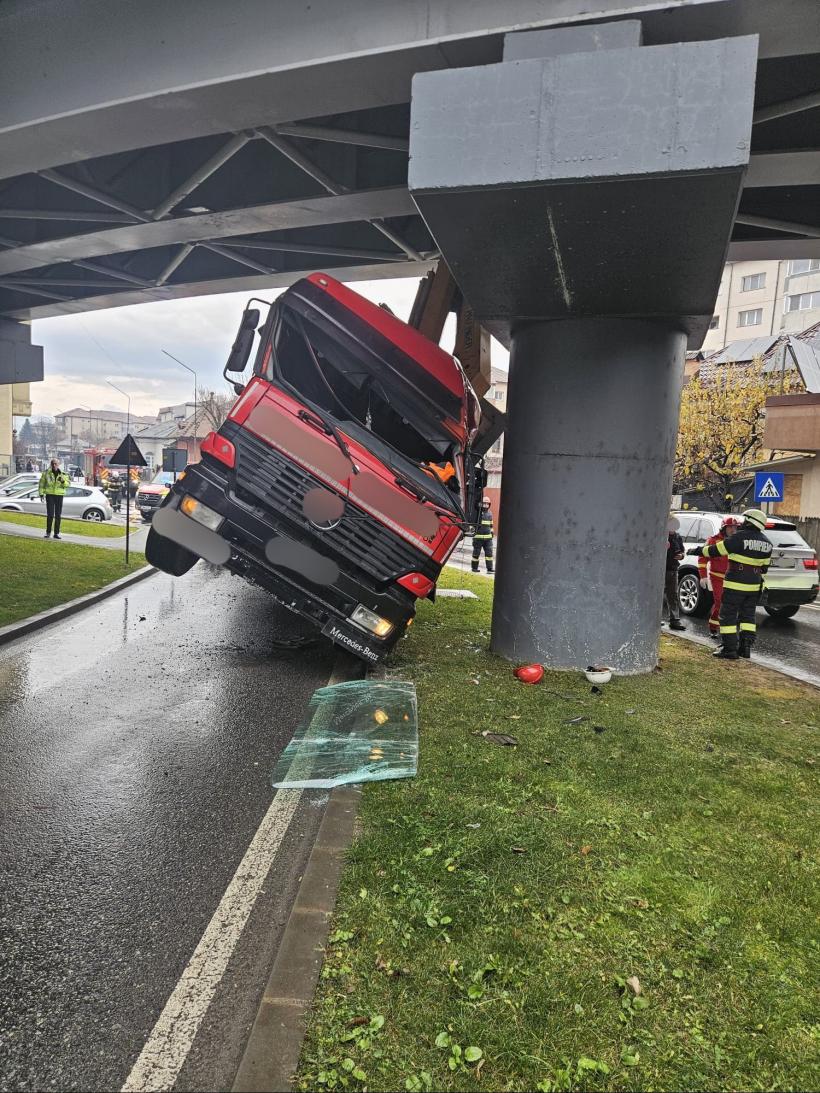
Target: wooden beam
473 349
433 302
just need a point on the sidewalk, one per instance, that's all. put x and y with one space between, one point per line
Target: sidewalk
137 537
462 555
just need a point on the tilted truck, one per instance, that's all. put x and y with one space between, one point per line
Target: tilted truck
345 473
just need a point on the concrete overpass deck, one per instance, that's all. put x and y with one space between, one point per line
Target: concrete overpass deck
148 153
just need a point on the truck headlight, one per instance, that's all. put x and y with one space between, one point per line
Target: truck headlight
377 625
201 513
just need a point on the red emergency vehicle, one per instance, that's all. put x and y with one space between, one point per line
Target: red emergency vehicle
345 473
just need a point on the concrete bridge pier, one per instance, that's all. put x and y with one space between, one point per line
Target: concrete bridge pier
592 421
582 192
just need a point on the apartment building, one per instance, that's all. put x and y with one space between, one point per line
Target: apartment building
97 425
757 299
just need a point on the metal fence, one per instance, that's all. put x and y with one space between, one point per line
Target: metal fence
808 527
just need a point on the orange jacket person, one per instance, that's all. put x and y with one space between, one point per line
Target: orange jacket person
713 571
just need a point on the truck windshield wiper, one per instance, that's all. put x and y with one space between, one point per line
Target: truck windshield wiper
331 430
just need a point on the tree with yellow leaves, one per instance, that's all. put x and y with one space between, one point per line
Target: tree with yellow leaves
721 429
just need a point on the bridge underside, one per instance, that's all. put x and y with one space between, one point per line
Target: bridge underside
145 156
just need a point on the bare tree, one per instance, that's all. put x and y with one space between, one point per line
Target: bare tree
213 407
45 435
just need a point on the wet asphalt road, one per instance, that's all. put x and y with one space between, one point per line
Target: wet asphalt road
791 645
134 772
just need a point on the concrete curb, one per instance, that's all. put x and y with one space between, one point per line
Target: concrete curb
272 1052
762 661
63 610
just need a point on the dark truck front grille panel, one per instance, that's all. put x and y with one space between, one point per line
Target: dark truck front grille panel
266 476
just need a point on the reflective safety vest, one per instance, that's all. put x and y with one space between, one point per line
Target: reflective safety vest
54 483
748 553
484 527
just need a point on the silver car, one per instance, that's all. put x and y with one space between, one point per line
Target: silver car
18 482
79 502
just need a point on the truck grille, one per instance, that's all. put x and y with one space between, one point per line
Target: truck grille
265 475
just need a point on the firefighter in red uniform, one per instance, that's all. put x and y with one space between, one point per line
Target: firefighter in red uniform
713 570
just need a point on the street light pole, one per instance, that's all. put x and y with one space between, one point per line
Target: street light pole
127 470
82 406
193 373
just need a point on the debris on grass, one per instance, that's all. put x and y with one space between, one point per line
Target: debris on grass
500 738
576 720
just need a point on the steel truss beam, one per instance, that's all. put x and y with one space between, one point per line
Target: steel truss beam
50 214
209 167
343 136
788 106
783 169
276 216
175 263
333 187
94 194
811 231
234 256
306 248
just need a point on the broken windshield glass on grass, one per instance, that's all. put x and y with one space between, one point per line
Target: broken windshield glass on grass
353 732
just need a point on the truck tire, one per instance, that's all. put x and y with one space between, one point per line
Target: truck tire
167 555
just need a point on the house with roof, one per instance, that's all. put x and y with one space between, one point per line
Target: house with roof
171 433
791 436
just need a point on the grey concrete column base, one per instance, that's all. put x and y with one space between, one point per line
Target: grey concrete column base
593 410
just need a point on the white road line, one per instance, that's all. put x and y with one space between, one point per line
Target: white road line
167 1048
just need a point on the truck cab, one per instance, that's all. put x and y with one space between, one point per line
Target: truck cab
343 477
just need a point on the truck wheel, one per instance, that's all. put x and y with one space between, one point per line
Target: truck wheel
787 612
167 555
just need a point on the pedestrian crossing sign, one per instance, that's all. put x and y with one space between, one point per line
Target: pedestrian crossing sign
769 486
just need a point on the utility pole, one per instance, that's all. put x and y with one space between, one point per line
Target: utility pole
127 471
193 373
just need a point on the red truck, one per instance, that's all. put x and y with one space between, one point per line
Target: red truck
345 473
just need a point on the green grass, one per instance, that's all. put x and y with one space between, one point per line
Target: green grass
69 526
38 574
502 899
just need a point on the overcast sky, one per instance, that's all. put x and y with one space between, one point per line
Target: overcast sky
125 344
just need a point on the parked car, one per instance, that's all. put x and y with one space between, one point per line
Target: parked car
150 494
792 578
18 481
80 502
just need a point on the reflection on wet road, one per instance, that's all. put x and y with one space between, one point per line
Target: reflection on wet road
137 743
791 645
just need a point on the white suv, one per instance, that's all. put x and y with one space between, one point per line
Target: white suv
791 579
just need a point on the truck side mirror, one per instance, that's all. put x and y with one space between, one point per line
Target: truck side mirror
241 348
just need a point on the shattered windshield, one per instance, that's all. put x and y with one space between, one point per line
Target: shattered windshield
346 383
362 731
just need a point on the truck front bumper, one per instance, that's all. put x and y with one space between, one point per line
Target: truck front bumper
247 536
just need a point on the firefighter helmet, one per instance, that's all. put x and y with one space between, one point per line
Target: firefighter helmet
755 517
729 522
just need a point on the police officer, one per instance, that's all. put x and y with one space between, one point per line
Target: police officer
53 484
483 537
748 553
